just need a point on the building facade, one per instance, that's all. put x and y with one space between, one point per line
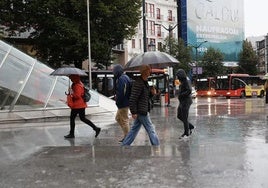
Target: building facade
200 23
160 16
262 51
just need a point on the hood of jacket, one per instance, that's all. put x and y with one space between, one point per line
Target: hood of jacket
118 70
181 75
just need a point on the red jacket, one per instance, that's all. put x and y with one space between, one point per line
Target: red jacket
77 96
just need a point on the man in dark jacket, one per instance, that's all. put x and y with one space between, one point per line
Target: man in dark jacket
139 108
122 94
185 99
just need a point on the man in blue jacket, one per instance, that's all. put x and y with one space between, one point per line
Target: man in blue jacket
122 94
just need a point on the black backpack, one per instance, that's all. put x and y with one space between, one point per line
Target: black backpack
87 95
128 88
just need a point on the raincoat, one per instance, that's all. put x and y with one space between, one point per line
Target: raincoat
77 93
185 99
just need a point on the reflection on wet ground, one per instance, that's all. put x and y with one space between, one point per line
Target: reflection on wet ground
227 149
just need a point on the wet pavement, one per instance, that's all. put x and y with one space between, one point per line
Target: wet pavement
227 149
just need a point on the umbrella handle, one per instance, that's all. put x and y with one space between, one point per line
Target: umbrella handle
67 93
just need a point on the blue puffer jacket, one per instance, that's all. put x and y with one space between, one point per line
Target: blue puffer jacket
122 87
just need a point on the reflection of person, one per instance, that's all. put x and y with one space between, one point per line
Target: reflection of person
185 99
122 94
78 107
266 91
140 108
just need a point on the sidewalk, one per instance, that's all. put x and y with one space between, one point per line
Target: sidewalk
227 149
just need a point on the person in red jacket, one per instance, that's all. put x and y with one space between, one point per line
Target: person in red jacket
78 106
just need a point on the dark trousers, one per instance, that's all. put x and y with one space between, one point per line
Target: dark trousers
81 112
182 114
266 96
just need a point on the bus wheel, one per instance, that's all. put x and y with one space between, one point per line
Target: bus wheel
243 95
262 94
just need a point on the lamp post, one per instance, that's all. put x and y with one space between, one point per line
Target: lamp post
89 49
196 56
144 26
169 29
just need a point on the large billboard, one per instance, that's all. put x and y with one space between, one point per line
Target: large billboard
219 22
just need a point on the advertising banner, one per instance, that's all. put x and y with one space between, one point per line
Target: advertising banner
220 22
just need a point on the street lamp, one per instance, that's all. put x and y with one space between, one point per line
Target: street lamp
144 25
169 29
89 49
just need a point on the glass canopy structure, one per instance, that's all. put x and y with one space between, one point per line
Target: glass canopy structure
26 84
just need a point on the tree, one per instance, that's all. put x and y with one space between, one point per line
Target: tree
58 28
248 59
179 51
212 63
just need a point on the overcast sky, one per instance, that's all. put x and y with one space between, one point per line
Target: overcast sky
256 17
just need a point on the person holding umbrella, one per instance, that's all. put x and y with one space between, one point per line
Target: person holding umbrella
140 108
78 106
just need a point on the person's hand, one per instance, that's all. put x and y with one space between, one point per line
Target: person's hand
153 91
134 116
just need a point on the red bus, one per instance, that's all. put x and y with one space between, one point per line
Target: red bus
239 85
205 87
232 85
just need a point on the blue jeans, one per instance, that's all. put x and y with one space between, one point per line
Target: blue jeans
149 127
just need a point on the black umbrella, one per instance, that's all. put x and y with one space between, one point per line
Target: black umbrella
66 71
154 59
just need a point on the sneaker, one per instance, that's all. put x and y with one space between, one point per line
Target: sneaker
121 140
191 130
183 136
97 132
69 136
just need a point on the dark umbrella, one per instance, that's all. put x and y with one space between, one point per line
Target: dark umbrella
66 71
154 59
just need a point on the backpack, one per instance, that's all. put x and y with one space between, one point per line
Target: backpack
127 89
87 95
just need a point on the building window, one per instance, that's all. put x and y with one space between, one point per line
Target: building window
158 16
169 15
158 30
133 43
151 28
159 45
151 11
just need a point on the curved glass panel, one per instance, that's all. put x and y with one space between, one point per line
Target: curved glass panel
26 84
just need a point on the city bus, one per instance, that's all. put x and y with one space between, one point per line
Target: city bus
205 87
239 85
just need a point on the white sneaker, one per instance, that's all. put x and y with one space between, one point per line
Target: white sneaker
184 136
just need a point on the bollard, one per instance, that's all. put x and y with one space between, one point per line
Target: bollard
162 100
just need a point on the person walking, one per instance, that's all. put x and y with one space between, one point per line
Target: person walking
185 101
140 108
78 106
266 91
122 94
